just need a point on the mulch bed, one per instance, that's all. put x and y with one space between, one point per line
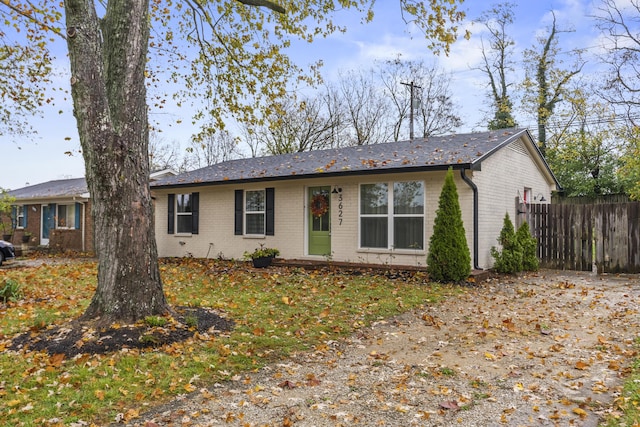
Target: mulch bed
78 338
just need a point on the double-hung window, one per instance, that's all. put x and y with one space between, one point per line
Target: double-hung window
66 216
254 212
18 216
21 216
392 215
183 213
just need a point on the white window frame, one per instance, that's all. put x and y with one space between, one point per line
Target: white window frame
20 217
391 216
178 214
69 207
247 212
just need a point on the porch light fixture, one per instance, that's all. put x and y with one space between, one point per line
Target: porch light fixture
336 190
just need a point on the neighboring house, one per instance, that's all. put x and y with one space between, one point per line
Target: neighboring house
57 213
371 204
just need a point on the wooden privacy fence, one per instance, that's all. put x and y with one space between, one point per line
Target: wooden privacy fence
602 237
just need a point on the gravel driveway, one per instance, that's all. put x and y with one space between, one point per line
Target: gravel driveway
549 349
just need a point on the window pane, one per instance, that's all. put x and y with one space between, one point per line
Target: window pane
183 203
255 201
408 233
374 198
21 222
255 224
62 216
408 197
71 216
320 223
66 216
184 223
373 232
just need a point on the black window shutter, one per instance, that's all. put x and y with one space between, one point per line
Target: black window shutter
171 213
239 212
195 203
269 211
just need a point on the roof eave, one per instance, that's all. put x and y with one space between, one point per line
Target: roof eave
363 172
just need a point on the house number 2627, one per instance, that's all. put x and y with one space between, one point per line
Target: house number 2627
340 209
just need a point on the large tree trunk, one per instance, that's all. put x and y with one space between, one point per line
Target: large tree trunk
108 60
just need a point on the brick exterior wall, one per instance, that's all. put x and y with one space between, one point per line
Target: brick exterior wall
59 239
503 178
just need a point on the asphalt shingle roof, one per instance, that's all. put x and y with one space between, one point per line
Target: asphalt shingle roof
51 189
430 153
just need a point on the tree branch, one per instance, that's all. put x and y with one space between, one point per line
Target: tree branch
264 3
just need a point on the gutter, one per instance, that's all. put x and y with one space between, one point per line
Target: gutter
311 175
474 188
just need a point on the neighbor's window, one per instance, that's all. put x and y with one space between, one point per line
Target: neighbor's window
255 212
66 216
392 215
20 216
184 213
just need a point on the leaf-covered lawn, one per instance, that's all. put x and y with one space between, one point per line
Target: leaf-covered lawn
276 311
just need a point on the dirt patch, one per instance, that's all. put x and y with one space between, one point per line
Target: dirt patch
549 349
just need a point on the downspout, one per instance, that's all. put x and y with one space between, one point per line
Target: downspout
474 188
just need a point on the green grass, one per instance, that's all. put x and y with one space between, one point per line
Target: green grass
627 406
277 312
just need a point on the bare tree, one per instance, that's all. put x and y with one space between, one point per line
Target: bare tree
365 108
618 23
435 112
294 126
164 155
549 82
211 147
498 62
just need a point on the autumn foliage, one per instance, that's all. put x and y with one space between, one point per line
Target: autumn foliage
449 259
275 312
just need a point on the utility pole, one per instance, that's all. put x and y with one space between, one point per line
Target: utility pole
412 104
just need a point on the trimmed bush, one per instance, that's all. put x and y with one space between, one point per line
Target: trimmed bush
449 259
529 247
509 259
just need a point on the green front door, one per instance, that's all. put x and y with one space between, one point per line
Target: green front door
319 228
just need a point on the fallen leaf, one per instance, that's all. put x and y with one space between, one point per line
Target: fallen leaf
312 380
450 404
580 412
489 356
581 365
287 384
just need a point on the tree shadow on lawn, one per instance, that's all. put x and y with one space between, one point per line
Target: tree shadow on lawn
76 338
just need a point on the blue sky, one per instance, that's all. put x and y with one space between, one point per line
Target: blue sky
43 157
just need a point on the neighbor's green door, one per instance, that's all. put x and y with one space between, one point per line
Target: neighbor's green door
319 213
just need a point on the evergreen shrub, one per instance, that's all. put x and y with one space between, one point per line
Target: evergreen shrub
449 258
509 259
529 248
